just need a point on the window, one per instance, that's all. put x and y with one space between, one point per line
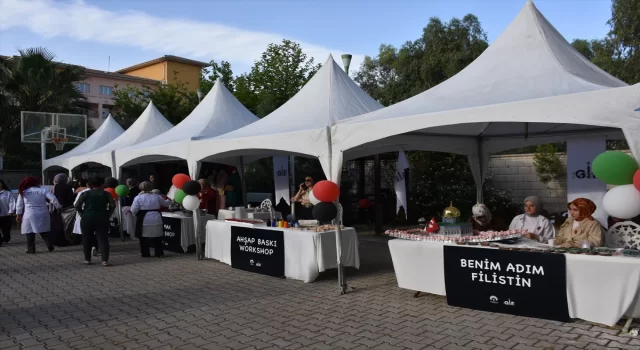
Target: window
106 90
83 87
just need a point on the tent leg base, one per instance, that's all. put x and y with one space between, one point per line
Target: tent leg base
627 324
416 294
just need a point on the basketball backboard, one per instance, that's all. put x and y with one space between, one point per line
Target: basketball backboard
43 127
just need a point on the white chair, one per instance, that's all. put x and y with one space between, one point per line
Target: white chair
340 213
625 234
266 204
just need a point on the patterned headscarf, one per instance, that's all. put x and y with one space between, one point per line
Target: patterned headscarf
61 179
585 206
479 210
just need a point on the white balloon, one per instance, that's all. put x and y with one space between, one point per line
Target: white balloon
622 202
313 198
191 202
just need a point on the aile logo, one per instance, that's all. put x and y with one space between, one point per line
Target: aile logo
584 174
282 172
493 299
509 303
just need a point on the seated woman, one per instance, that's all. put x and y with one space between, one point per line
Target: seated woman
580 226
482 220
538 226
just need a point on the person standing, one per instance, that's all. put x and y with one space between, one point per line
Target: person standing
95 207
32 212
209 199
146 207
127 201
7 209
61 228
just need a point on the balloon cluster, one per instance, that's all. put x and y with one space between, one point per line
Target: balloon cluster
187 193
110 185
322 196
621 170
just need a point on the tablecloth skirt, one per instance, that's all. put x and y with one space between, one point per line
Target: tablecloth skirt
599 289
306 253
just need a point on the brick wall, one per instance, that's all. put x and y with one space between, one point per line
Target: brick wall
518 174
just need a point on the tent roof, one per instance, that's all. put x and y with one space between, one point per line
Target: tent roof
148 125
529 82
530 59
298 127
107 132
218 113
329 96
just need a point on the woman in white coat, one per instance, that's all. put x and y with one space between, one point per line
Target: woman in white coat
32 211
538 226
7 208
146 207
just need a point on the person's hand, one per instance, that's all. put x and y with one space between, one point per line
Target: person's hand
19 219
566 245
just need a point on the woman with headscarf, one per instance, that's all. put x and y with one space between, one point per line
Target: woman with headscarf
538 226
146 207
62 221
209 198
7 208
482 220
580 226
33 213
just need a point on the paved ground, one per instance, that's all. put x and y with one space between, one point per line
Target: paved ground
52 301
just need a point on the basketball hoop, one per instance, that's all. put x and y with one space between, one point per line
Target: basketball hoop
59 142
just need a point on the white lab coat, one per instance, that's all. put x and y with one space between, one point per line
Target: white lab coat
538 225
32 205
152 224
7 203
76 225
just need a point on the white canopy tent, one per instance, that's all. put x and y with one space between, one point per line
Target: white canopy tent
529 87
218 113
149 124
299 127
107 132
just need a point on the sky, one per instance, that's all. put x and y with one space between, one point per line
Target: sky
114 34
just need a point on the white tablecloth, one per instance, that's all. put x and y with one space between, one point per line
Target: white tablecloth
187 236
230 214
306 253
600 289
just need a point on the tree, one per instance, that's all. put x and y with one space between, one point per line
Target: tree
222 71
278 75
174 101
548 165
32 81
619 52
439 53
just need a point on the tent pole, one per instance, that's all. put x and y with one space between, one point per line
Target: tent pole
196 232
244 182
292 172
341 279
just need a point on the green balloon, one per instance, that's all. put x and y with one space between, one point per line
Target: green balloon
614 168
122 190
179 196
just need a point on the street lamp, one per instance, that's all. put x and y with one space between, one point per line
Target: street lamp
346 61
200 94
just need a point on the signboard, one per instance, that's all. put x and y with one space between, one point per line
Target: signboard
518 283
172 234
257 250
581 182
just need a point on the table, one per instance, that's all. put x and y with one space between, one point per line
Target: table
187 233
230 214
600 289
306 253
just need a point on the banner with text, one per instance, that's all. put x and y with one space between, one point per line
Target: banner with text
581 183
281 179
257 250
518 283
400 185
172 234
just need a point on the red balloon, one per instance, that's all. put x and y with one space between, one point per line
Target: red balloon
326 191
112 192
179 180
364 203
636 179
